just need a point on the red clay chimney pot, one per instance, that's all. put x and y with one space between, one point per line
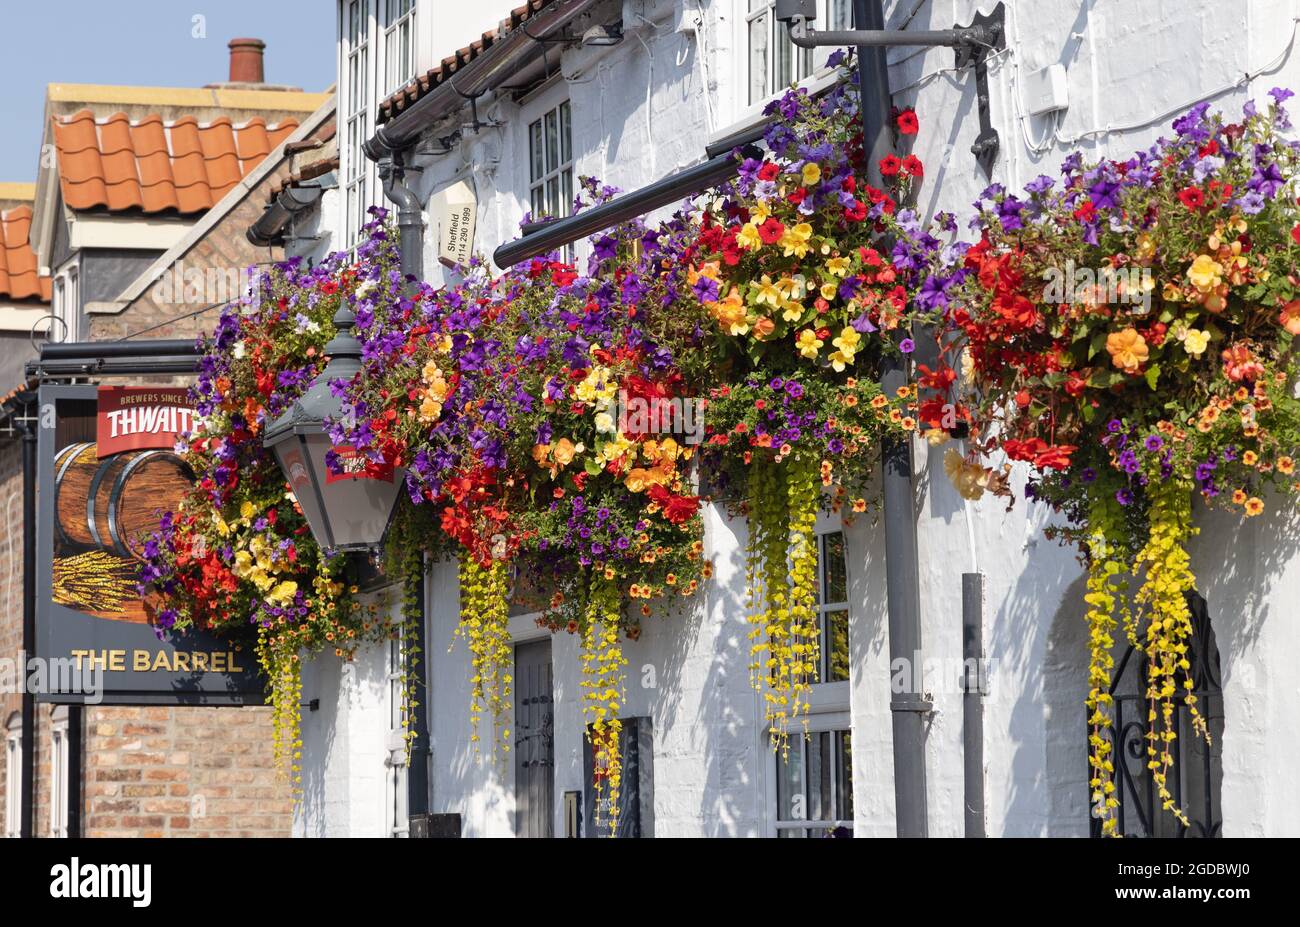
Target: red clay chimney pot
246 61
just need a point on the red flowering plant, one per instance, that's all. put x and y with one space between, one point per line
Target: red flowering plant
1128 333
530 411
811 276
238 559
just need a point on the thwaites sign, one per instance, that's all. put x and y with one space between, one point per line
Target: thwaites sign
107 471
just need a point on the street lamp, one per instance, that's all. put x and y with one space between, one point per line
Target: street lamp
349 510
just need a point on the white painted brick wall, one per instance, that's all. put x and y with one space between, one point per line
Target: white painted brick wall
1126 63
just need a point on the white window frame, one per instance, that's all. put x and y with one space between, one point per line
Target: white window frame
834 723
65 302
13 775
811 73
59 771
370 68
397 822
551 181
825 608
399 26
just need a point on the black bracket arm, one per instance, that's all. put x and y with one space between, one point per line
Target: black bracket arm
973 44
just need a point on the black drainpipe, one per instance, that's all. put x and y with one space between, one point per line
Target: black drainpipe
27 772
902 572
410 227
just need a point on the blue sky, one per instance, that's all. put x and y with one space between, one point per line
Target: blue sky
144 42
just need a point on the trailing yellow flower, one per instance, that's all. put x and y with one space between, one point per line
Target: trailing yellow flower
781 568
484 624
1163 596
602 687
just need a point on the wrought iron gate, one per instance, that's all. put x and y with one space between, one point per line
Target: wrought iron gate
1198 772
534 741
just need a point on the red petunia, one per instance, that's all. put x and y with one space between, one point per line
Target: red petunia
907 122
768 171
1191 197
857 212
1295 233
889 165
771 231
913 166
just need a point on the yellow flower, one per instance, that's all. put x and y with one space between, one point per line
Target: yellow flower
749 238
969 478
1205 273
839 360
791 311
1128 349
1254 505
1195 342
839 266
769 292
812 173
430 409
283 594
808 343
828 291
848 341
795 240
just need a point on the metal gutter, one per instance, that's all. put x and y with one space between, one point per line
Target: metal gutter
269 227
483 73
902 570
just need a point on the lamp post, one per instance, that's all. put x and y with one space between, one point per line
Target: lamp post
347 510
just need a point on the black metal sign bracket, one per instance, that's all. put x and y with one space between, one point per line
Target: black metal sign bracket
973 44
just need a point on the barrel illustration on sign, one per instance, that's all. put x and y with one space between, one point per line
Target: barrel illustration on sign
108 496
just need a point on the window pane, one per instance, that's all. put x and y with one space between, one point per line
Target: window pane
553 197
836 645
535 151
819 777
791 801
538 203
844 776
552 142
784 59
840 15
758 35
566 193
566 134
834 579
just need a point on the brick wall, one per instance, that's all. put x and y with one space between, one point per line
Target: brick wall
178 772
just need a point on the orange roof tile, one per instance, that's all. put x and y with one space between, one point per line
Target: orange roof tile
18 272
183 165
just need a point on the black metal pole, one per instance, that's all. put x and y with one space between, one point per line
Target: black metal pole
972 700
27 773
410 227
417 774
542 237
902 573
